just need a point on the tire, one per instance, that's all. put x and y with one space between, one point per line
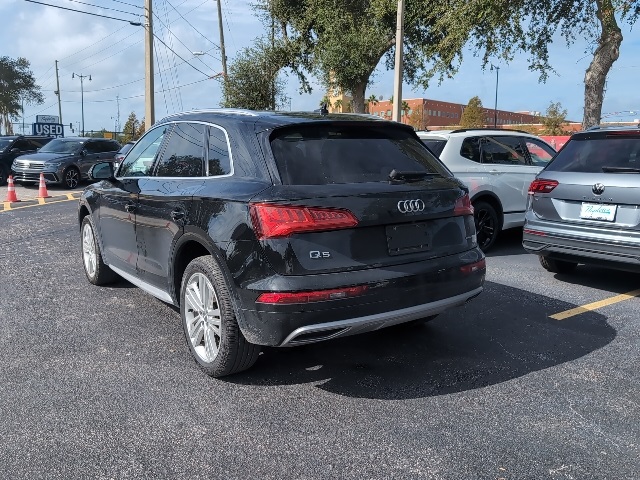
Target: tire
216 342
487 224
557 266
71 177
97 272
3 176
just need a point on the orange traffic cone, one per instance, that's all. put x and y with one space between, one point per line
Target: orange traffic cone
11 191
42 188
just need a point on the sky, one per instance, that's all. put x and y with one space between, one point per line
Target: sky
112 53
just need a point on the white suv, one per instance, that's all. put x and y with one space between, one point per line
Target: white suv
498 166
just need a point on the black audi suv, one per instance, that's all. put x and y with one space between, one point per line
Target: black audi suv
280 229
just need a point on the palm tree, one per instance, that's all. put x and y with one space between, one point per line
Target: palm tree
338 105
405 109
372 100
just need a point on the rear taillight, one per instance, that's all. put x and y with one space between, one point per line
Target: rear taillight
463 206
542 186
272 221
308 297
473 267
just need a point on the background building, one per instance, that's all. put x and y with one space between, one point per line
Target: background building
425 113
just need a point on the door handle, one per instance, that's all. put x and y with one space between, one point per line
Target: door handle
177 214
130 207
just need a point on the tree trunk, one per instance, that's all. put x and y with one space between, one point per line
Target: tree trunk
605 55
357 102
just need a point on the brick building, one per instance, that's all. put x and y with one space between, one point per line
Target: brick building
435 113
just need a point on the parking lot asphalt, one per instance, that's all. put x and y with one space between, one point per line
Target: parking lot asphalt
27 196
98 383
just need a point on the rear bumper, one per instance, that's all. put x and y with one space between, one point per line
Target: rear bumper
394 295
580 244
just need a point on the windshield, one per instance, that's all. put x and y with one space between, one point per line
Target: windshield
125 148
4 143
62 145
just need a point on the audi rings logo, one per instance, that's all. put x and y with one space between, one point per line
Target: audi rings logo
410 206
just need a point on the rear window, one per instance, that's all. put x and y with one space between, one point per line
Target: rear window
436 146
592 154
329 154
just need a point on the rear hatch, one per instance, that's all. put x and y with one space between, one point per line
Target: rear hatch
593 181
338 209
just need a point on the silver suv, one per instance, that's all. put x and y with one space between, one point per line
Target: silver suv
64 160
497 166
584 207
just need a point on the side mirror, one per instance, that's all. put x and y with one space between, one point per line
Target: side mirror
102 171
83 152
15 150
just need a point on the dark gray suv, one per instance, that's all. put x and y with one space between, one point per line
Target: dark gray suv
12 146
584 207
64 160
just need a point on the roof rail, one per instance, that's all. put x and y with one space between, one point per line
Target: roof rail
489 128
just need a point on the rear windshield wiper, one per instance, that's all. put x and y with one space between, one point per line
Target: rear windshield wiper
621 169
409 176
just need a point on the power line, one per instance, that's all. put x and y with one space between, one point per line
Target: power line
105 8
136 24
66 66
188 23
176 54
130 4
95 43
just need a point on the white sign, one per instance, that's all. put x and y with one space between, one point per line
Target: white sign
47 119
48 129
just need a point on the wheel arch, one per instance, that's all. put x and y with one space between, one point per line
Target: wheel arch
493 200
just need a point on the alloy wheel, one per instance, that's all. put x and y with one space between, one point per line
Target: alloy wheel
485 227
202 317
89 250
71 179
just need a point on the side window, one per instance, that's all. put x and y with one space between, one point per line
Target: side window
35 144
184 153
22 145
539 152
471 149
503 150
140 159
218 158
107 146
92 147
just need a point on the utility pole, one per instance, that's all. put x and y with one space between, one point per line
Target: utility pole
82 77
57 92
224 56
397 81
22 115
118 124
149 102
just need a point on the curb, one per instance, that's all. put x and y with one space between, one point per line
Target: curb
35 202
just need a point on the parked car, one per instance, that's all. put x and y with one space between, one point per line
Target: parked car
497 166
280 229
122 153
64 160
583 207
12 146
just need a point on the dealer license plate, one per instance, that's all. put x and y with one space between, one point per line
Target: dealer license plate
598 211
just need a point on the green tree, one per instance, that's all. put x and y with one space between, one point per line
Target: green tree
130 128
338 105
418 118
499 29
372 100
473 115
17 85
554 120
253 80
405 108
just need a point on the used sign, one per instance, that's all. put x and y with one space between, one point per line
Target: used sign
48 129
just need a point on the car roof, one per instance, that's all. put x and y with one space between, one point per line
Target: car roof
465 132
265 120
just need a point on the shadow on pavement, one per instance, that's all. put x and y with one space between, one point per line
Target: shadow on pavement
502 335
509 242
608 280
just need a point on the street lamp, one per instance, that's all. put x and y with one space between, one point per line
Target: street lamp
82 77
495 106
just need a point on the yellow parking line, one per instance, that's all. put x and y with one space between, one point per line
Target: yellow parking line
6 206
70 196
595 305
41 201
